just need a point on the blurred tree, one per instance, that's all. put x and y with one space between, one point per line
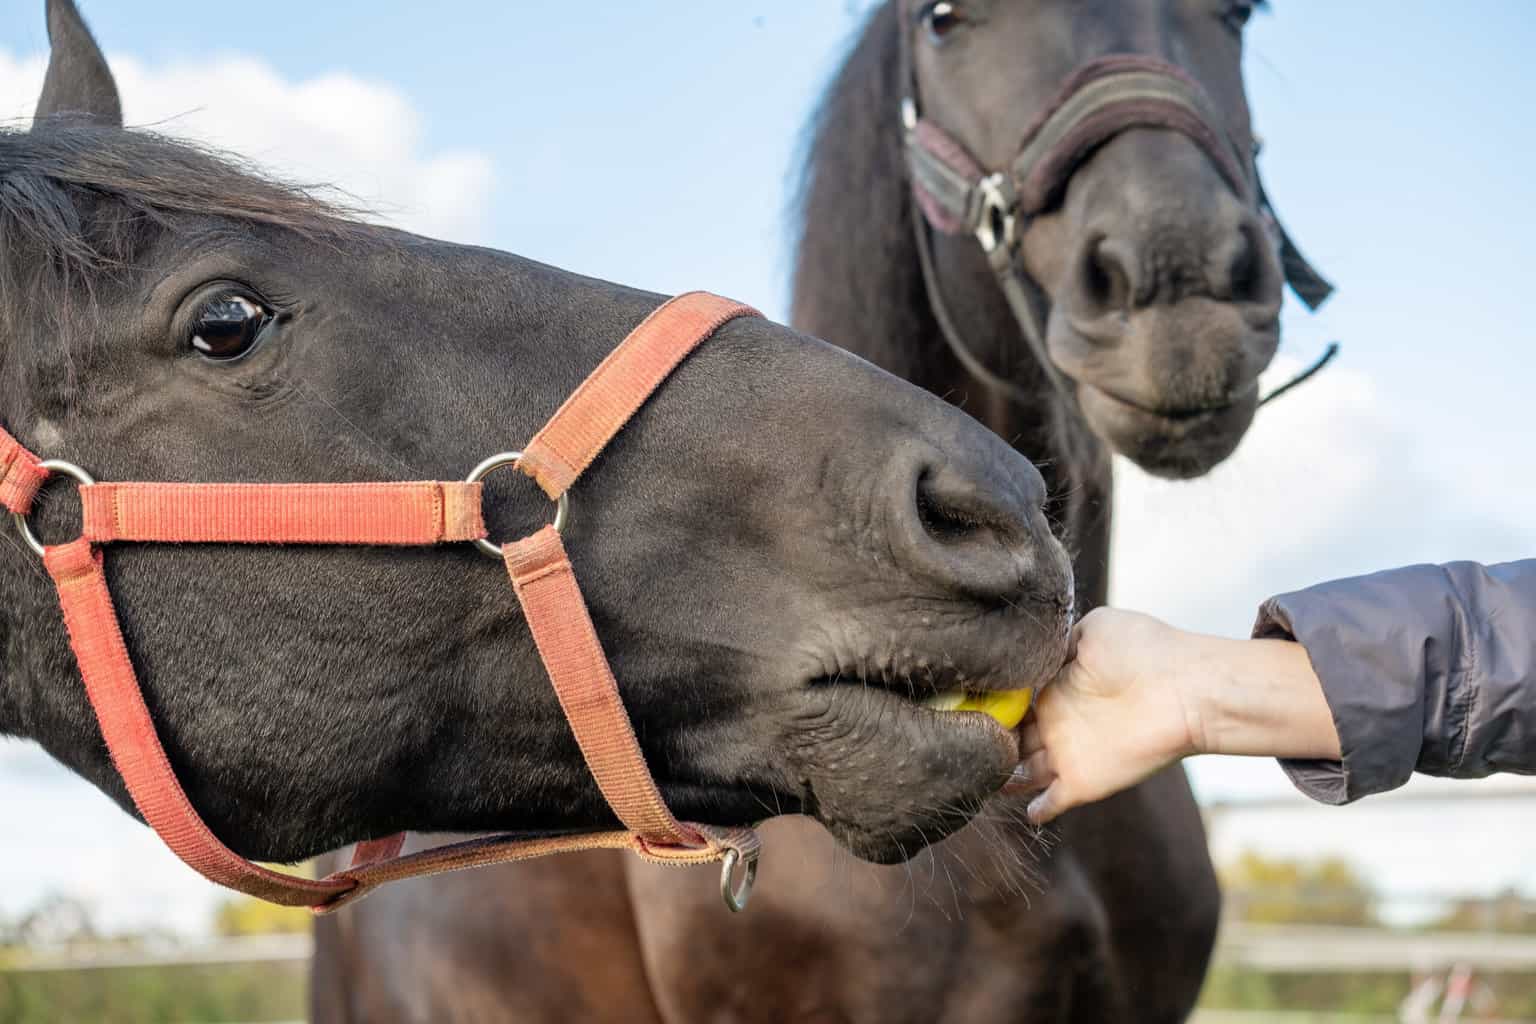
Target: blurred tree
1507 911
1272 890
57 921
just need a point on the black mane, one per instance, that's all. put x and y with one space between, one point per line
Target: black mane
852 197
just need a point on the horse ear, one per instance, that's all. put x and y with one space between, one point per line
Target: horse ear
78 81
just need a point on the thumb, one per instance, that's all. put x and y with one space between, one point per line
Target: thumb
1045 807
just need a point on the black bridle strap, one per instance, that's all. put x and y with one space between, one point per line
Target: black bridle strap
1305 375
1100 100
1013 285
1311 287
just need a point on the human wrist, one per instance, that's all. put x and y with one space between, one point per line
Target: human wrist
1259 698
1203 681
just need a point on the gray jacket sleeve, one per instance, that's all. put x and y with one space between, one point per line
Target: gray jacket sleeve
1428 668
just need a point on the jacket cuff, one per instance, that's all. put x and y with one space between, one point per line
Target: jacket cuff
1363 714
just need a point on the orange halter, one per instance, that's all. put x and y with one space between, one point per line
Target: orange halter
421 513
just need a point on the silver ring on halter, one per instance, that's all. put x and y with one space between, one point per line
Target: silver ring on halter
69 469
996 224
495 462
736 896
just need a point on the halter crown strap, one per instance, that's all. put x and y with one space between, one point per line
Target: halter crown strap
415 513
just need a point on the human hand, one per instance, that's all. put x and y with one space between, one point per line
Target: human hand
1118 711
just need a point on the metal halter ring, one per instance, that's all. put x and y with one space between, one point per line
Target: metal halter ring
69 469
737 895
480 472
996 225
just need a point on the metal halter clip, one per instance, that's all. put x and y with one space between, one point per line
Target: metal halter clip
736 895
995 223
480 472
69 469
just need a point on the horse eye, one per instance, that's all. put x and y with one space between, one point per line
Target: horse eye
939 18
228 327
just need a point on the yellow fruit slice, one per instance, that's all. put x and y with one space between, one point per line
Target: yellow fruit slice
1006 707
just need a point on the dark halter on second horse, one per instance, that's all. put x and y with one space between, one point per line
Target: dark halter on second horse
1098 101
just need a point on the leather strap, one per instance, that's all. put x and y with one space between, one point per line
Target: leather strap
1104 98
419 513
614 392
504 849
557 616
135 748
21 475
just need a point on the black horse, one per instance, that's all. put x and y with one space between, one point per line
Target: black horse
1157 280
778 511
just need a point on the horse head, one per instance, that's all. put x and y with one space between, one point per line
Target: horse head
784 552
1103 155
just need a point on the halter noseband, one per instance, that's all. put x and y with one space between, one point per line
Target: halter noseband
957 195
418 513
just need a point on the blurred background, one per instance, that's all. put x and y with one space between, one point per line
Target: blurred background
1398 150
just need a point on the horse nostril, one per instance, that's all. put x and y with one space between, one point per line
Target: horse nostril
1243 270
941 522
966 524
971 526
974 533
948 517
1106 276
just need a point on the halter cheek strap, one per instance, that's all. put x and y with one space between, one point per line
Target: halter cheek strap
420 513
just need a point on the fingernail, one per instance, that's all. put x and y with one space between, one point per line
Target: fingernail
1036 810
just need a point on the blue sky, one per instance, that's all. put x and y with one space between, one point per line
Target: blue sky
655 144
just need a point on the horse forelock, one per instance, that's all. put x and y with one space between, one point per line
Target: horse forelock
79 202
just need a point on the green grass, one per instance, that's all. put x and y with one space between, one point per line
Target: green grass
156 995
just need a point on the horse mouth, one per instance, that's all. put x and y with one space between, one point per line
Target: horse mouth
1179 442
893 756
945 693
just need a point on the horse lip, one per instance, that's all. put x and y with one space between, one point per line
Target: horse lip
915 682
1184 415
967 721
912 685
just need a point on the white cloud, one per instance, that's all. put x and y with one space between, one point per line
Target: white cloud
362 137
1334 479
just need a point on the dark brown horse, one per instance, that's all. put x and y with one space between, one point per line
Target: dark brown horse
1159 287
779 511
